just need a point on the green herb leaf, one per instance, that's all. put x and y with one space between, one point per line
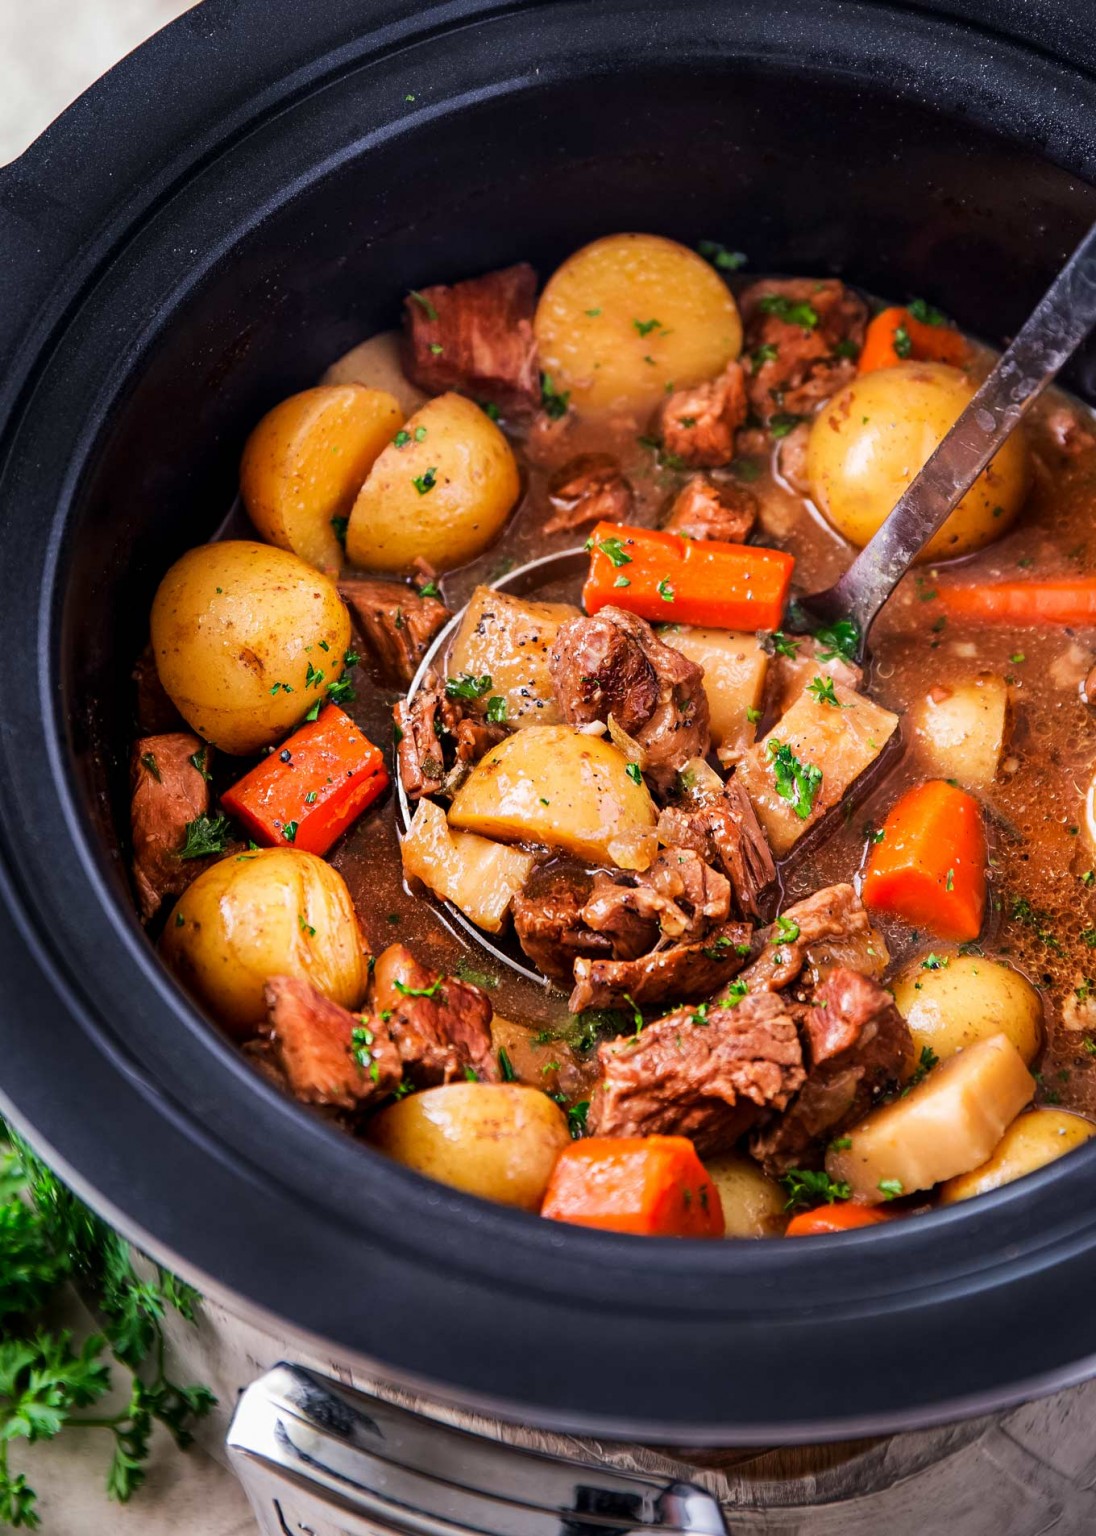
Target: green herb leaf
839 639
807 1187
721 257
431 991
822 690
796 782
205 835
665 591
645 327
787 930
783 423
928 314
903 343
612 549
576 1119
340 525
496 710
148 760
778 644
890 1189
467 687
426 481
554 401
795 312
634 773
506 1070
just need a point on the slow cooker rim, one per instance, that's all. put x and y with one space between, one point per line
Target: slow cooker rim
597 1243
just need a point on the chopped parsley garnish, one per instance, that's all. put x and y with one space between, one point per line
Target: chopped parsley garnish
949 882
839 639
796 782
555 401
576 1119
593 313
634 773
304 926
807 1187
430 589
431 991
622 581
436 348
734 994
1022 911
612 549
795 312
783 423
402 438
778 644
752 715
426 481
506 1070
822 689
420 434
424 303
846 347
313 676
903 342
489 409
935 962
763 354
361 1038
637 1012
718 948
467 687
928 314
314 712
289 831
281 688
1089 937
496 710
340 525
841 1144
205 835
645 327
341 692
787 930
482 979
890 1189
925 1064
148 760
721 257
665 591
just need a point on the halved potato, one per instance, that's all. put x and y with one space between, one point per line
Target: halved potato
959 999
306 461
753 1205
496 1140
630 317
442 490
734 678
508 639
872 438
1032 1141
552 785
947 1125
837 741
378 364
959 730
477 875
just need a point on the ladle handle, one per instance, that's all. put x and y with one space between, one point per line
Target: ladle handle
1053 332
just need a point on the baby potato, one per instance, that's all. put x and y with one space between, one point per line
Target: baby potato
870 440
1032 1141
246 638
496 1140
378 364
753 1205
968 998
270 912
305 463
551 784
959 731
442 492
630 317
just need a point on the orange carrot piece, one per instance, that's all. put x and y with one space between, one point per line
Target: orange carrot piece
309 791
652 1185
668 579
845 1216
1071 600
895 336
929 868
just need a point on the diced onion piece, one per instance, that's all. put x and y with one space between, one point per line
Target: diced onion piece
698 780
947 1125
633 751
477 875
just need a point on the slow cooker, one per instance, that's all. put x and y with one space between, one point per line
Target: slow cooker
226 212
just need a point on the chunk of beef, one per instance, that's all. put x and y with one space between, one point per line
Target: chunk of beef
548 920
725 832
473 737
856 1045
614 663
698 425
419 754
441 1025
706 1074
789 675
679 897
827 929
328 1054
680 970
477 336
168 791
590 489
803 336
791 458
155 713
703 510
396 623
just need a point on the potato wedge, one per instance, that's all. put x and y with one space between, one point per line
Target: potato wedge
956 1000
947 1125
508 639
478 876
246 639
270 912
629 315
496 1140
734 678
840 742
959 730
552 785
442 491
753 1205
1032 1141
306 461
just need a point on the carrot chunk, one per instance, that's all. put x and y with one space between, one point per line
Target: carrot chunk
309 791
845 1216
1070 601
929 867
667 579
895 336
652 1185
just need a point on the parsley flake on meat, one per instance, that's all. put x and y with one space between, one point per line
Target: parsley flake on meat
205 835
787 930
721 257
431 991
839 639
796 782
795 312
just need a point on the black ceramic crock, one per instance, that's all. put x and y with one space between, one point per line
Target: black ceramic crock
214 222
